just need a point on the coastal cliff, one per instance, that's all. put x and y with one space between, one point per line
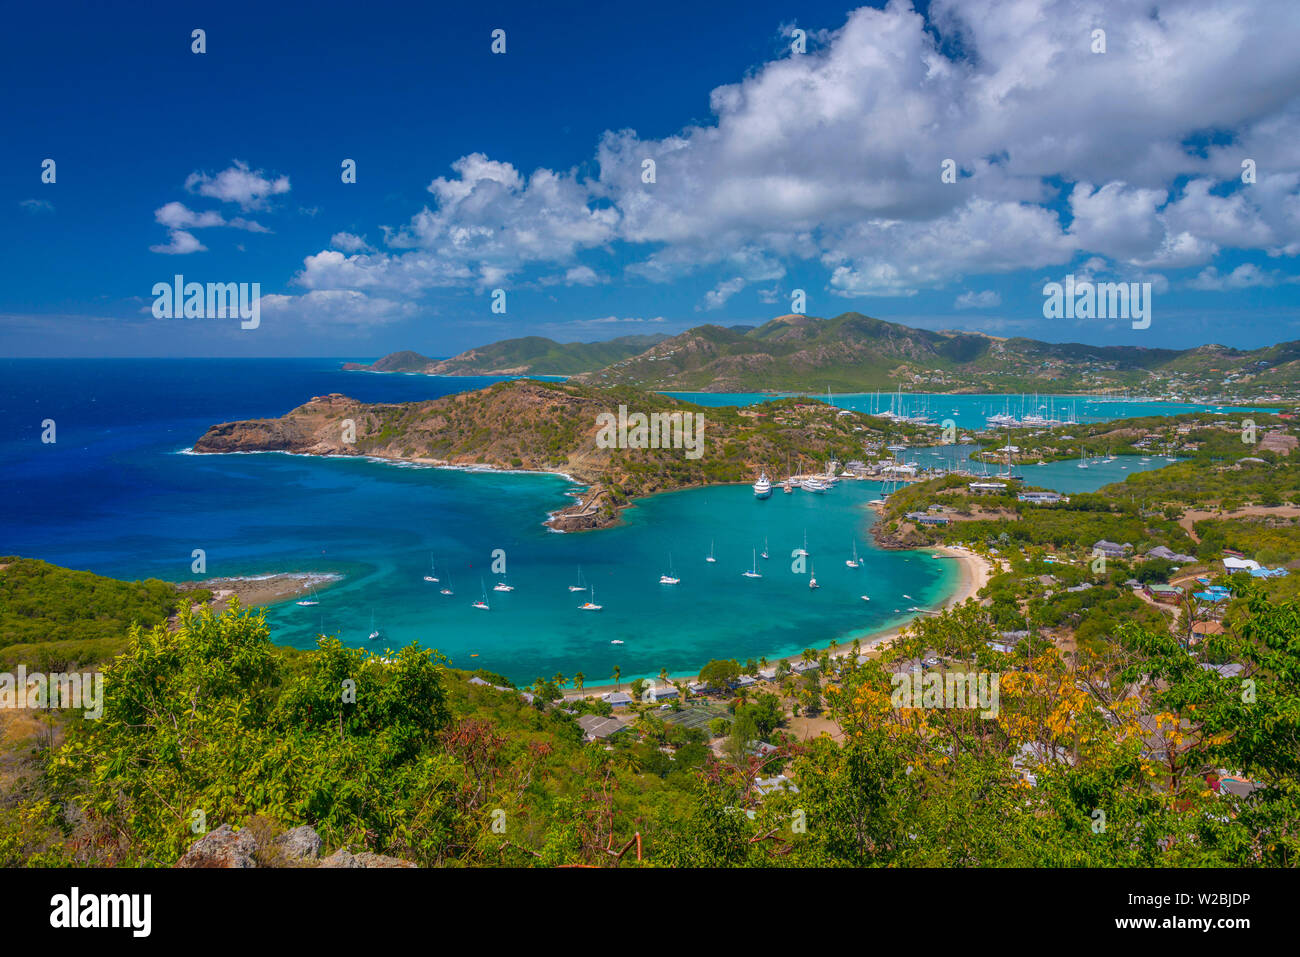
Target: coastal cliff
528 425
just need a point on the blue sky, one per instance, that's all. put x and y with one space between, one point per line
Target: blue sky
775 171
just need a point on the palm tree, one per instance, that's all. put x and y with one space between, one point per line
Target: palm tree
578 680
663 675
627 759
809 655
558 679
617 674
762 662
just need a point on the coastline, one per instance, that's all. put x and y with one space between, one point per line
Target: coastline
261 590
973 573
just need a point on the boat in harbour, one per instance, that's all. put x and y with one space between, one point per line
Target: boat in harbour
803 552
482 603
763 487
503 586
375 634
308 602
765 554
812 579
710 559
579 586
590 603
753 568
670 578
853 562
433 571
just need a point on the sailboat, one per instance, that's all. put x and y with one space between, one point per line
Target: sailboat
812 578
433 571
853 562
670 578
590 603
482 604
579 586
502 586
765 554
1083 460
307 602
802 552
374 632
710 558
446 589
753 568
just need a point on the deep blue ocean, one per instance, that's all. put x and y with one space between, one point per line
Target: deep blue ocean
117 494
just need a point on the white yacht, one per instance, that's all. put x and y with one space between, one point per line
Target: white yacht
590 603
670 578
753 568
502 586
710 559
579 586
853 562
482 603
433 571
763 487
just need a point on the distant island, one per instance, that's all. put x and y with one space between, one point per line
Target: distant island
856 353
554 427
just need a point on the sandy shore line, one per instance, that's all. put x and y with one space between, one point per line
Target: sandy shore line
259 590
973 571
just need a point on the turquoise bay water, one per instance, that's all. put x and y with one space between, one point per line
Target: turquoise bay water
400 522
115 495
970 411
1064 476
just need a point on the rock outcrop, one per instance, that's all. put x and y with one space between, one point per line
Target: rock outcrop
222 847
299 847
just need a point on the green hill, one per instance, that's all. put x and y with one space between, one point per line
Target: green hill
530 355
